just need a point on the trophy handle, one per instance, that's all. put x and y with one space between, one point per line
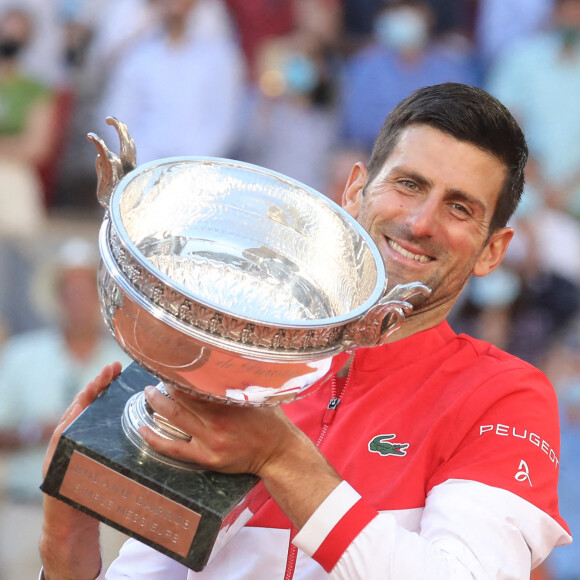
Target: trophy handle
111 168
385 317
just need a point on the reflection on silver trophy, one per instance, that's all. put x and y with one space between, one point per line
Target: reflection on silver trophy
232 283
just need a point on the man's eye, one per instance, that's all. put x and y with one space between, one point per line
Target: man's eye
460 208
408 184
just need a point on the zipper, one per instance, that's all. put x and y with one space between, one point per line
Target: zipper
336 396
292 555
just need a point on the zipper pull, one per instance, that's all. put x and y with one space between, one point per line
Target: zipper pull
330 411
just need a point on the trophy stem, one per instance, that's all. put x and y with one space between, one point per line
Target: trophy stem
138 413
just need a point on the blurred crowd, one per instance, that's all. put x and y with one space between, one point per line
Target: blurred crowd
298 86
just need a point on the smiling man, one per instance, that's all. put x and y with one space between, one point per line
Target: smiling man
403 478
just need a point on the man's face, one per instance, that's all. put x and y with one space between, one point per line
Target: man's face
429 210
15 26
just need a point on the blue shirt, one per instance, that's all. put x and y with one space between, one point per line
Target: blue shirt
376 79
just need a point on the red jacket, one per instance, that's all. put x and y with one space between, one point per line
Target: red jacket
452 447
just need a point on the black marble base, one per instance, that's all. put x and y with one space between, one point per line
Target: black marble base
184 513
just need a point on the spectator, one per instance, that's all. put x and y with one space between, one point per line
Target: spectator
539 79
293 123
40 371
499 23
262 21
180 87
451 16
26 129
101 33
403 57
42 57
258 22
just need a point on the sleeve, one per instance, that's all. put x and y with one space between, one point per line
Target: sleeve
507 435
468 530
491 509
101 575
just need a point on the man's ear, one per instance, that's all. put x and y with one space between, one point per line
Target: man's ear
352 195
493 253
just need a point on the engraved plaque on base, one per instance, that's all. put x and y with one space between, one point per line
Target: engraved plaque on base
183 513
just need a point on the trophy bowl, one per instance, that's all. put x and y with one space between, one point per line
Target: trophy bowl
236 283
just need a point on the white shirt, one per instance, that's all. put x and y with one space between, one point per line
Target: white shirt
38 381
183 99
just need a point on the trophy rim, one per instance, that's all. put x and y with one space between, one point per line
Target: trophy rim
327 346
118 229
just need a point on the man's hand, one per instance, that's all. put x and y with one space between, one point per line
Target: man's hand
69 544
238 439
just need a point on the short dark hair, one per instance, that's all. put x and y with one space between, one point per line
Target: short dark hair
468 114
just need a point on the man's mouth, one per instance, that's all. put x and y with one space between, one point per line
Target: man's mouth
406 254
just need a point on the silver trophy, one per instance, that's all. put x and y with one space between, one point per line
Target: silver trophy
232 283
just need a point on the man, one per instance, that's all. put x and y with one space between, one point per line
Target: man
67 351
184 70
547 65
402 55
451 443
26 130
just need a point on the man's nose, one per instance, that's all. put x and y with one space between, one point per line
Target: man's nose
423 218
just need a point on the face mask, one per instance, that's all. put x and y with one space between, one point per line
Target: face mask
401 30
9 48
301 75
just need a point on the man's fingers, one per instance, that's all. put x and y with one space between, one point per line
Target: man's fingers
105 378
98 384
81 401
179 416
206 444
189 451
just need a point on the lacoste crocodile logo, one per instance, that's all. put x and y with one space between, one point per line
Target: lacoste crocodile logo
380 444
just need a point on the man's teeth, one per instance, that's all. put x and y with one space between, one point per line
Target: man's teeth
408 254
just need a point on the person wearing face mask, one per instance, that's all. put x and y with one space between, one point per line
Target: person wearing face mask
292 125
539 79
403 56
404 29
26 129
